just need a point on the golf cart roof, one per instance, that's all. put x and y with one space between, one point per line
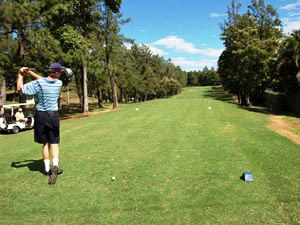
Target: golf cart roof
16 105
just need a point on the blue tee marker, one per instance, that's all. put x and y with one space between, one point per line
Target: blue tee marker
247 176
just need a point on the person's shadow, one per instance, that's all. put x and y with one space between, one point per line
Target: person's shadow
32 164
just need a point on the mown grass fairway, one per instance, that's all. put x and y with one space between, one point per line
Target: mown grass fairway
175 162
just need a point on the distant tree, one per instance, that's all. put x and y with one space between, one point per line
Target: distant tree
16 17
73 23
176 73
296 36
112 42
251 42
269 34
8 48
153 76
288 64
144 65
206 77
192 78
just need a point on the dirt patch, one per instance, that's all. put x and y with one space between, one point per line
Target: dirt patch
284 128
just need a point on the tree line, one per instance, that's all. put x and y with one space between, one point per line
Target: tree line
258 55
206 77
86 37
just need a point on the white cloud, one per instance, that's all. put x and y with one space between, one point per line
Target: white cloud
289 26
177 43
211 52
293 6
152 48
187 63
191 65
174 42
292 21
156 51
294 14
214 15
128 45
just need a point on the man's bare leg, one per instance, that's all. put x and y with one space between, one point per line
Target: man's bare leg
55 153
46 157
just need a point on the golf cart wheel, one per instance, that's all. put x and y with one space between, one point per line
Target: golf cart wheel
15 129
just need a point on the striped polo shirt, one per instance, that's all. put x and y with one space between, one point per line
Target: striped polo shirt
45 92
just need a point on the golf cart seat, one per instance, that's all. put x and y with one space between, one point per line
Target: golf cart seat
10 119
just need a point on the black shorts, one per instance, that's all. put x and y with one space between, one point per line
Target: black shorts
46 127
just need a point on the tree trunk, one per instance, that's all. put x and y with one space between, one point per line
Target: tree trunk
239 98
21 46
242 95
2 94
248 103
113 89
68 95
84 91
121 96
245 98
100 98
21 56
78 81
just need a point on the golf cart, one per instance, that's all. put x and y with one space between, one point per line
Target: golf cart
8 122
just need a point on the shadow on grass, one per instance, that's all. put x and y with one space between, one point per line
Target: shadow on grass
31 164
218 93
256 109
264 110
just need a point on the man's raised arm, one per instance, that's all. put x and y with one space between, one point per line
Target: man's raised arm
22 72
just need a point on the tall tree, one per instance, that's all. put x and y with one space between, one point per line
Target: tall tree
251 45
288 64
296 36
73 23
16 17
228 74
8 49
110 28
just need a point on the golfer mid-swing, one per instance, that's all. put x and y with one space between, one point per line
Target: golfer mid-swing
47 123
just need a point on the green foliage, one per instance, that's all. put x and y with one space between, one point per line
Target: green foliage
17 17
42 49
113 5
252 43
8 64
288 65
206 77
153 76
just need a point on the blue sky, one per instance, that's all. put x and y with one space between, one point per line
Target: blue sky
188 31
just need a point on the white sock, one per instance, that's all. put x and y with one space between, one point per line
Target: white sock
47 165
55 162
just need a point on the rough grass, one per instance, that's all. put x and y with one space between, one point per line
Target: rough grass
175 162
